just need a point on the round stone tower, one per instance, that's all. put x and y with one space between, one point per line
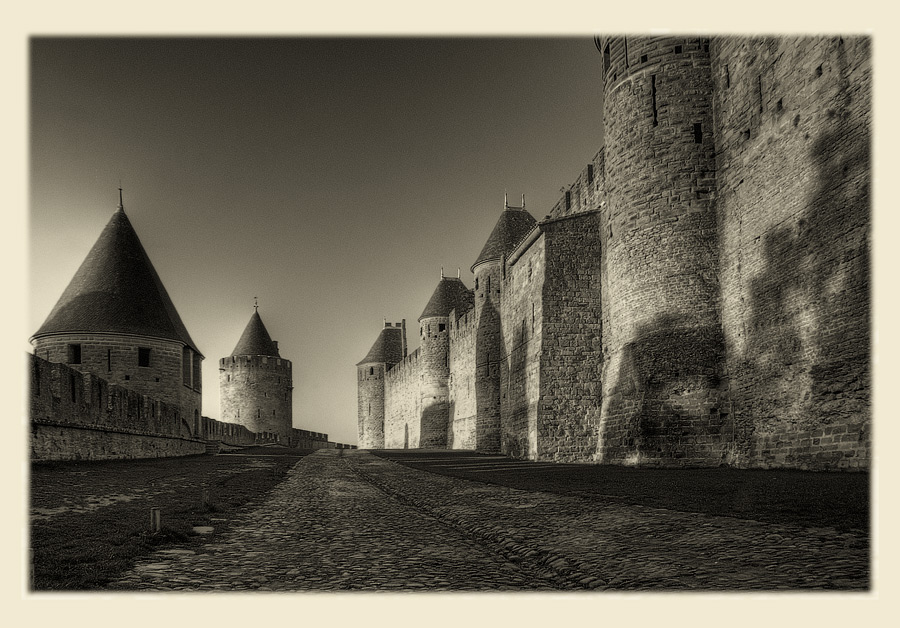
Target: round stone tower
116 321
514 224
664 340
434 359
256 383
388 350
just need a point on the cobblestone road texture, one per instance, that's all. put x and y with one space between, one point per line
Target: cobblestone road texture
350 520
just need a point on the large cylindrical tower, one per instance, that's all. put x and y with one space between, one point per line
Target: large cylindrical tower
664 342
256 383
388 350
116 321
514 224
434 359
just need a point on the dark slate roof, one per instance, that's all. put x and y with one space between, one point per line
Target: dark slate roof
512 227
451 293
256 340
388 349
116 289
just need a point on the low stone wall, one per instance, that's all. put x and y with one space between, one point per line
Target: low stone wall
60 441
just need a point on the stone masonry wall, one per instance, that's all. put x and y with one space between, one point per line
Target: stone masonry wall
73 410
587 192
520 351
661 398
256 392
461 388
488 288
793 138
403 403
572 356
114 357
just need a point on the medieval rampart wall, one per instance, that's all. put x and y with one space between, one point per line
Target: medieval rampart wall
793 138
78 416
571 359
403 403
521 323
461 389
171 375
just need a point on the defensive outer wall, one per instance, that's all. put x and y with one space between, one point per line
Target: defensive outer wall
79 416
700 293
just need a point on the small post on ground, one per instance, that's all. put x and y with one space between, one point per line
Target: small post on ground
204 497
155 520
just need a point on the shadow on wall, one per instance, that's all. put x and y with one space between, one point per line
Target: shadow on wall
665 406
807 346
514 428
434 425
487 380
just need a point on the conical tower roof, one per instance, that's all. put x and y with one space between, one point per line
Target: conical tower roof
256 340
450 293
512 227
388 348
116 289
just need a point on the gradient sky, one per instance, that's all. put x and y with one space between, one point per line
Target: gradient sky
331 178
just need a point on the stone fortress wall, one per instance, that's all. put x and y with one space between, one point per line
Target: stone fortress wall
79 416
700 293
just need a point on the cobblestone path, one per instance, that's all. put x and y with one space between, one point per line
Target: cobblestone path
350 520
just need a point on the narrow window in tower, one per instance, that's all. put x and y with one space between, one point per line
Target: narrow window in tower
606 59
678 50
698 133
441 327
74 354
476 283
625 43
258 413
727 77
759 92
590 173
643 58
487 287
186 366
371 370
143 356
532 317
109 359
568 200
653 99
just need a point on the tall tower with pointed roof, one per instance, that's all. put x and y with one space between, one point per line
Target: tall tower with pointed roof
434 359
256 383
388 350
116 320
513 225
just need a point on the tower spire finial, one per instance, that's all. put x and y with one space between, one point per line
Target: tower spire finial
523 201
255 304
457 272
505 200
442 272
121 204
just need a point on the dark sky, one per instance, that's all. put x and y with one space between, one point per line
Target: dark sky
332 178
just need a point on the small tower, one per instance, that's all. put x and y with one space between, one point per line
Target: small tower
512 227
116 321
388 350
255 383
434 359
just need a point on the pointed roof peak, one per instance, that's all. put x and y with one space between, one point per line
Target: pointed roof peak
256 339
387 349
450 294
121 207
117 290
511 228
